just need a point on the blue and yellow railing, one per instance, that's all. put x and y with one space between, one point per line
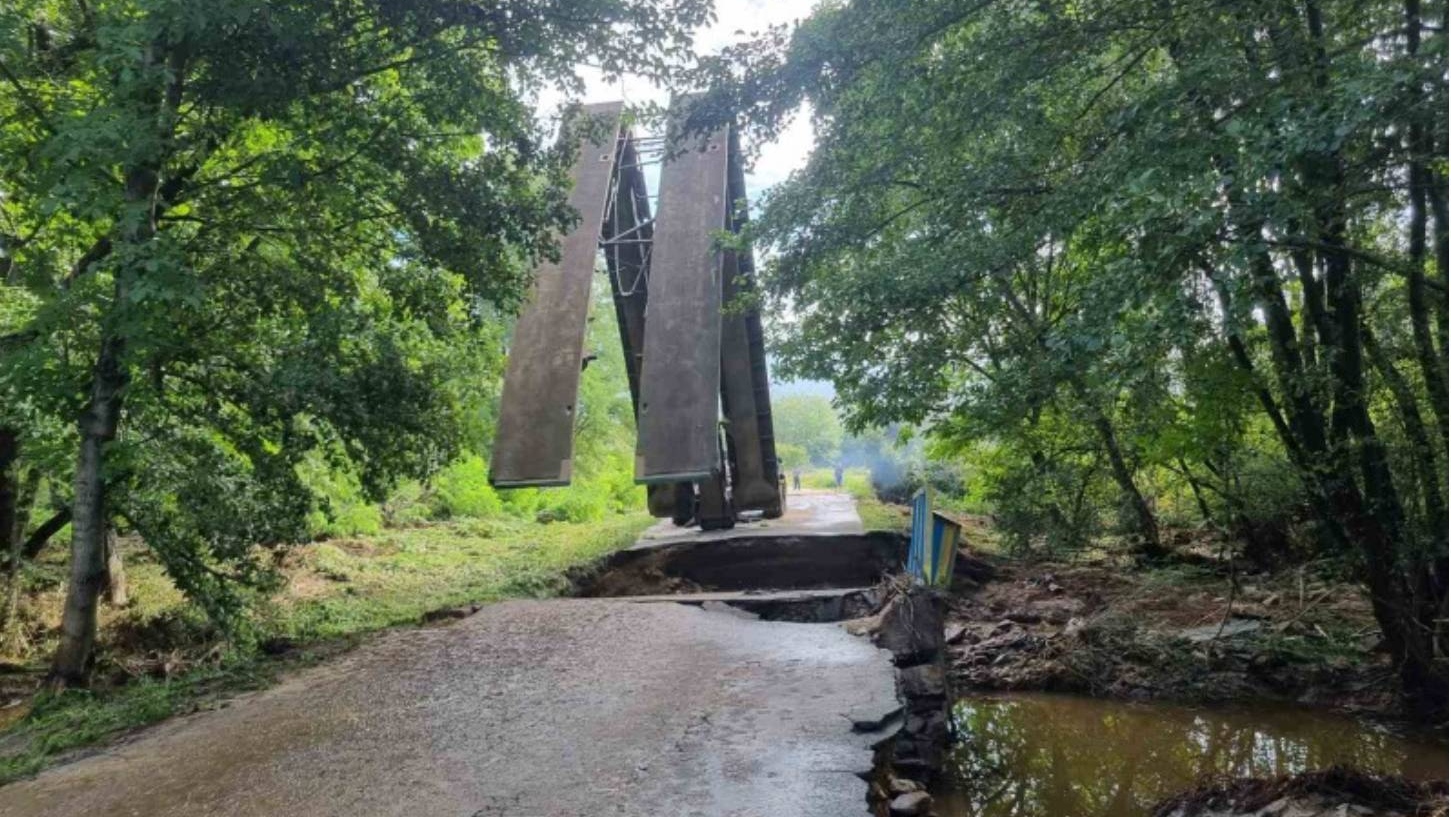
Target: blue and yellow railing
933 551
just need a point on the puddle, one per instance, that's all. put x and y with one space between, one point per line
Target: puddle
1039 755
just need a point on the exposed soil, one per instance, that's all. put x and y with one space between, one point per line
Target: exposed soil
1179 633
1336 791
758 562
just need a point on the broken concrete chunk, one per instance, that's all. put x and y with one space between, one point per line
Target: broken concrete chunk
873 722
911 804
900 785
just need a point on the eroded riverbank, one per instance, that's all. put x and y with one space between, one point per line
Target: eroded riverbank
1105 690
1180 632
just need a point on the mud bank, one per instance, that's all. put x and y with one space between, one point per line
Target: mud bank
1192 634
1331 793
1176 634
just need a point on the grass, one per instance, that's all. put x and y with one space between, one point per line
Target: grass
336 592
359 585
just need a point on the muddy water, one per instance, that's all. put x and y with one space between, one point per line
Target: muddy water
1035 755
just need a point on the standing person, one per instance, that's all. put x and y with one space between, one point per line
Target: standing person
796 479
837 472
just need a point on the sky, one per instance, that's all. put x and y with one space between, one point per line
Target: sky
735 21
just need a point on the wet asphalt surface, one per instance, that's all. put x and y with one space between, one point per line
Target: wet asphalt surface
527 709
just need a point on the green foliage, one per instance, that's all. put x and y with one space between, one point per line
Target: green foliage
407 506
1142 249
792 457
341 509
250 234
76 718
808 421
463 490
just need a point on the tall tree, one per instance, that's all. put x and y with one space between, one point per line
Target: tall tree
249 229
1096 212
809 421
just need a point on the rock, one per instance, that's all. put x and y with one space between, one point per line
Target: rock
1275 809
928 729
901 785
954 633
1074 627
923 681
1024 617
1006 642
910 804
1264 664
1004 626
979 570
1229 629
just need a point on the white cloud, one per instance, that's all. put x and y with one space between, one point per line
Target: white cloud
736 21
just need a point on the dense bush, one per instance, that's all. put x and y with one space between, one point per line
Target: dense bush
463 490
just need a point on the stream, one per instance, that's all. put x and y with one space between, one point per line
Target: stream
1043 755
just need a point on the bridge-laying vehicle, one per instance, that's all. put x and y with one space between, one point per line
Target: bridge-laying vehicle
691 333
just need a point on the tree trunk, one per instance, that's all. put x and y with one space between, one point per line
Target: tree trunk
1376 525
1148 526
115 572
88 518
9 485
11 531
102 414
1199 498
1419 174
1442 230
1427 473
12 636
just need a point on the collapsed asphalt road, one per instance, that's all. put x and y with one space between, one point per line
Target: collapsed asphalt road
568 707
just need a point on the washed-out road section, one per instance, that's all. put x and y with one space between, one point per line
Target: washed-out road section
527 708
